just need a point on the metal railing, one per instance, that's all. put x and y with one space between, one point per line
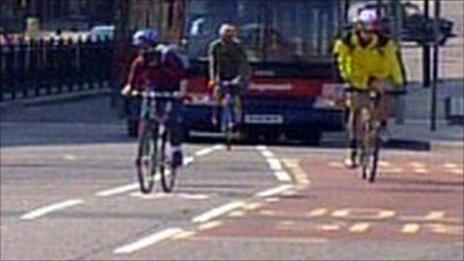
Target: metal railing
36 68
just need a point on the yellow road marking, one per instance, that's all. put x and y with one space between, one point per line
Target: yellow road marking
418 165
450 165
252 206
272 199
336 164
392 170
435 215
267 213
410 228
286 223
183 235
317 212
384 163
363 213
420 171
210 225
359 227
330 227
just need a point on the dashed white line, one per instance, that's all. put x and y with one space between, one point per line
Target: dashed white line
274 191
267 154
147 241
282 176
274 164
47 209
216 212
118 190
208 150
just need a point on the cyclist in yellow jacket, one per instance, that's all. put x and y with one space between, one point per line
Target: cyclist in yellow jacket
366 58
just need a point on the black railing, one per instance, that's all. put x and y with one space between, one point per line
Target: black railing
36 68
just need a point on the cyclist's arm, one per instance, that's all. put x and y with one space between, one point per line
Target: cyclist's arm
212 60
395 63
245 71
132 76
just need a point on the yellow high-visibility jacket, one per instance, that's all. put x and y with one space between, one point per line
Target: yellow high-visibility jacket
381 59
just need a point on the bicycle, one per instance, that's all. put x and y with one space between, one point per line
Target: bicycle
228 115
371 129
153 145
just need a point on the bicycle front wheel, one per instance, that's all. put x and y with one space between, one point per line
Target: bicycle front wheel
146 161
370 154
166 168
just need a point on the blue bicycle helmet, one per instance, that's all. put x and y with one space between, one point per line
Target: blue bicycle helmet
145 36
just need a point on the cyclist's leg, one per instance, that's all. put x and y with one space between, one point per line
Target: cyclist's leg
218 97
350 160
238 109
175 128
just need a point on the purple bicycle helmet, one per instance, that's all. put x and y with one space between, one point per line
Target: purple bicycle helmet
145 36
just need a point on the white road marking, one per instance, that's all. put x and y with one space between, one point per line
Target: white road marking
133 186
118 190
237 213
208 150
282 176
47 209
216 212
188 161
410 228
69 157
192 196
147 241
359 227
274 164
274 191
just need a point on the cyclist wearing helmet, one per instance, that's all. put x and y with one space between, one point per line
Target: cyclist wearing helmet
366 59
159 67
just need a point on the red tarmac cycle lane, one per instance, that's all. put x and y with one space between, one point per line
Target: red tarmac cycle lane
417 197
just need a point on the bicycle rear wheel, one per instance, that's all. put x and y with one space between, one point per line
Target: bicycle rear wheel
146 161
167 170
228 122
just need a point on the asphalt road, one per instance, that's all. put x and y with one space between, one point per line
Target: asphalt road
68 191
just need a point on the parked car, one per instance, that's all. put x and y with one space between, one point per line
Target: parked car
102 32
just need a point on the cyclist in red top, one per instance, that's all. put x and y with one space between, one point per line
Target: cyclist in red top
160 68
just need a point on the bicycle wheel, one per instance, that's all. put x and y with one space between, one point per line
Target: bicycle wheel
227 123
166 168
146 161
370 154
